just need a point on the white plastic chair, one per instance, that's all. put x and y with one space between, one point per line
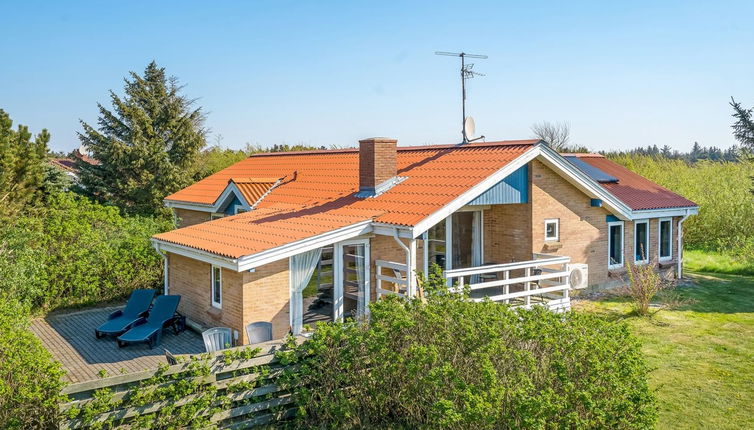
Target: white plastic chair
259 332
218 338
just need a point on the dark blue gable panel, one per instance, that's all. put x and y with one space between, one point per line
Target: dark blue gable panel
513 189
230 208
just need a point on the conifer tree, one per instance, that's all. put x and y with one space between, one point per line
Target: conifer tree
145 146
23 162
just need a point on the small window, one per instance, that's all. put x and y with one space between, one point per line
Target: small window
615 244
666 239
552 229
641 241
217 287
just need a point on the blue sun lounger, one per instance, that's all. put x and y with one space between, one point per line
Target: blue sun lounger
149 329
121 320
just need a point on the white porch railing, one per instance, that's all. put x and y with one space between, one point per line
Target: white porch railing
396 280
542 280
545 278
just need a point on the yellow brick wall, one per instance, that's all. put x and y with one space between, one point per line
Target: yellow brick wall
507 233
190 279
583 228
385 248
266 297
186 217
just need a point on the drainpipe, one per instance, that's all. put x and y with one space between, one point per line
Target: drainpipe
679 270
410 263
164 268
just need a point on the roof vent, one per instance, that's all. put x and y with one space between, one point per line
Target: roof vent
377 166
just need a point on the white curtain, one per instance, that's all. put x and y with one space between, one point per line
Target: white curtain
361 306
302 267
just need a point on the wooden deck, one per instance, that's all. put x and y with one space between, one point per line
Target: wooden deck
70 339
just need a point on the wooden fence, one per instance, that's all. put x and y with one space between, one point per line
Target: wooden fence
243 392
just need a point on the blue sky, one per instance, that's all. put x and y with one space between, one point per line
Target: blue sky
330 73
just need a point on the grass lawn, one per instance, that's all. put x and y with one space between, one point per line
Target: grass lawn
702 352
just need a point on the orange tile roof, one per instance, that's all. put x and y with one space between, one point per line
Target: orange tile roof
317 194
253 189
636 191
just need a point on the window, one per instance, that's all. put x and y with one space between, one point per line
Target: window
615 244
217 287
552 229
641 241
666 241
216 216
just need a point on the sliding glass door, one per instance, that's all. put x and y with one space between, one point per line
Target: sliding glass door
352 279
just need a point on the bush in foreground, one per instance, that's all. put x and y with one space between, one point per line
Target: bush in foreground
30 381
450 363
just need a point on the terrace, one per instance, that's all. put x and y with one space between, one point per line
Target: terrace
70 339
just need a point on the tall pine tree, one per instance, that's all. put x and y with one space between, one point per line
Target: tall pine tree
23 163
145 146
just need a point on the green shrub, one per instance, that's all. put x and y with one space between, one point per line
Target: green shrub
75 252
450 363
30 381
722 191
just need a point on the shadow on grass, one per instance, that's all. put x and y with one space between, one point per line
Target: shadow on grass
703 293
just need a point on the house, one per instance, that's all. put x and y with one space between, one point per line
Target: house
294 238
70 165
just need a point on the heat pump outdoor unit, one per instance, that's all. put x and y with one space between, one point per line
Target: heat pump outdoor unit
578 275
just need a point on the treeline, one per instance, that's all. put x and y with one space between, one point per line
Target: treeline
697 153
721 189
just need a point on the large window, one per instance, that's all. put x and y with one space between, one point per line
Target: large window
436 245
666 241
217 287
615 244
641 241
467 243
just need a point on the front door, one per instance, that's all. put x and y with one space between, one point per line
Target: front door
351 279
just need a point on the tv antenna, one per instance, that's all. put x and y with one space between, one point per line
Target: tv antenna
467 72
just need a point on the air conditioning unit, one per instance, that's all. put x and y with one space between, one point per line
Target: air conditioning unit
578 275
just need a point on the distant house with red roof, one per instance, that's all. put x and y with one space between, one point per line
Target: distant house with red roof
69 164
289 239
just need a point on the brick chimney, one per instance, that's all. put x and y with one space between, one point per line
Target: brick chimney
377 165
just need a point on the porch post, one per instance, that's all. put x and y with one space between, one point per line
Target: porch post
411 272
165 273
449 245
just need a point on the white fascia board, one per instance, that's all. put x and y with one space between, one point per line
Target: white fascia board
585 183
231 188
190 206
475 191
304 245
384 229
195 254
664 213
213 208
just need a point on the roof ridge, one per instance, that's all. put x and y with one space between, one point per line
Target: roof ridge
494 144
582 154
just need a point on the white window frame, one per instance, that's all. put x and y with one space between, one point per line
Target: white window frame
646 250
218 305
659 239
557 229
622 244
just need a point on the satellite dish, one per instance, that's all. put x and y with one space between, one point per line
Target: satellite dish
83 150
469 127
